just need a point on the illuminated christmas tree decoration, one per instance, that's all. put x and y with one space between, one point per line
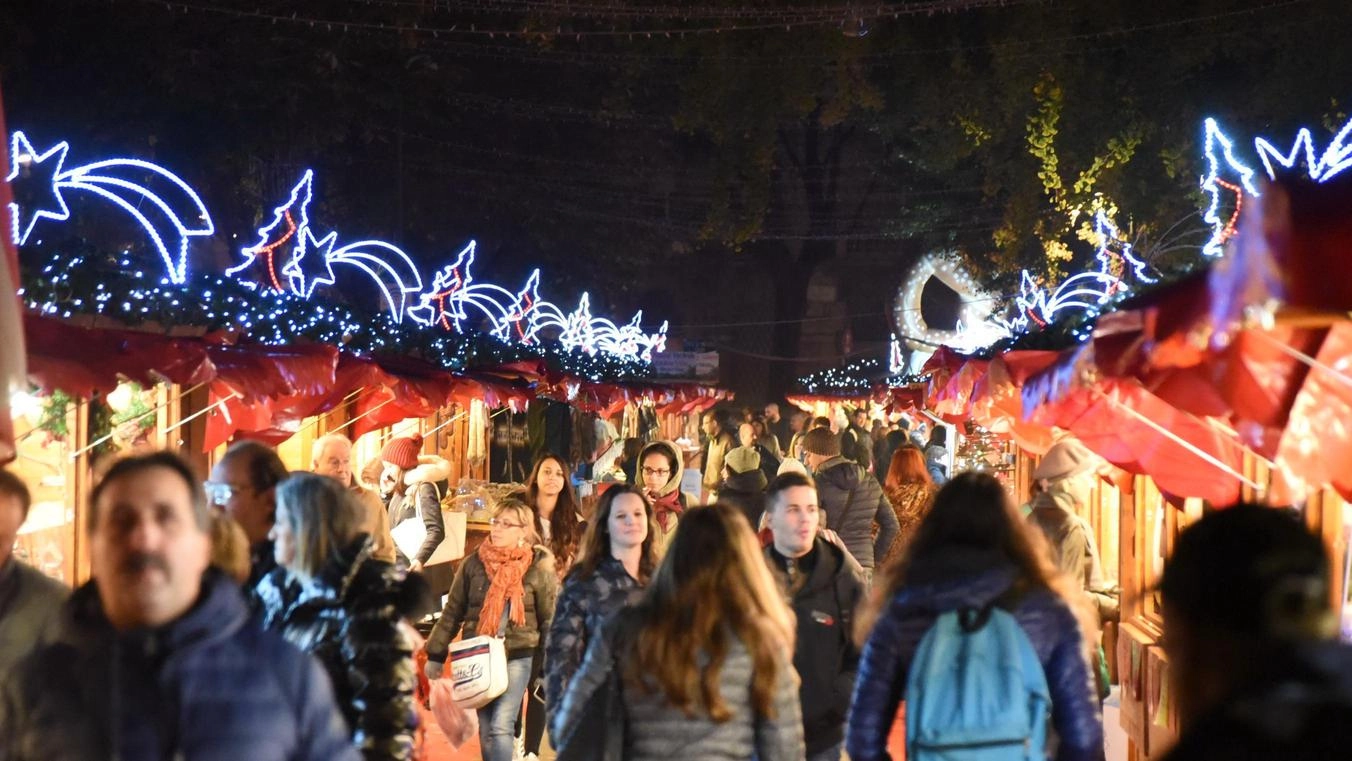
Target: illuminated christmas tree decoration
178 218
1212 184
280 231
1336 158
453 289
516 321
1113 260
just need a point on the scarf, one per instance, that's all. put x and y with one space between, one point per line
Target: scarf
668 508
506 567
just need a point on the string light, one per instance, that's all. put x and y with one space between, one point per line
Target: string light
1213 185
974 328
1335 158
104 179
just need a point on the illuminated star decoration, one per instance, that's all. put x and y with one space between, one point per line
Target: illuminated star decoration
178 216
309 259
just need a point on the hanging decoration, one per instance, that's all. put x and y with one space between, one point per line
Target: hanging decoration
169 218
291 258
974 328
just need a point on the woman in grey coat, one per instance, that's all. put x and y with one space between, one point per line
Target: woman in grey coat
704 660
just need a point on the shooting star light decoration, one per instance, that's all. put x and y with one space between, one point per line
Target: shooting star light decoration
170 217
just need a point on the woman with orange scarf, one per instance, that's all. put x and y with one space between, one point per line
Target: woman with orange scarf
505 589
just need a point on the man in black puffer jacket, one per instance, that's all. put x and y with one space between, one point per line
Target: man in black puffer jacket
824 586
852 500
156 657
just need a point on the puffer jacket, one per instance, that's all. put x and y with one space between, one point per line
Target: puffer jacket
654 731
824 654
583 605
421 492
210 686
466 598
853 519
348 617
963 579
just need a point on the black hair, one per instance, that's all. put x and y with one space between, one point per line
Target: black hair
782 483
130 466
14 486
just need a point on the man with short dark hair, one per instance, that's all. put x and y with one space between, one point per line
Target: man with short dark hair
856 441
1255 668
157 657
852 499
719 443
824 585
778 427
244 484
29 600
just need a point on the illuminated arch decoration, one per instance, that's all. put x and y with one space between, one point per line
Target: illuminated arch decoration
309 259
974 329
170 217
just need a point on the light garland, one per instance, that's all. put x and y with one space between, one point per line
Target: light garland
112 181
974 328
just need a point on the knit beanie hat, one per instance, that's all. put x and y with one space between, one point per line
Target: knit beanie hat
742 460
1067 457
790 465
403 451
820 441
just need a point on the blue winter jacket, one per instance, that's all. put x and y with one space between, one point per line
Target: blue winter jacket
210 686
968 579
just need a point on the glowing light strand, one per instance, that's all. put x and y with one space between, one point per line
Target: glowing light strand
180 217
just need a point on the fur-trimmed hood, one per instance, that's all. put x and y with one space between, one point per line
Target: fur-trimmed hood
431 469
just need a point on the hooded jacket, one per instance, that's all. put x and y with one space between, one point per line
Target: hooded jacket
1073 548
209 686
348 617
852 518
958 579
466 598
422 491
583 605
669 499
825 655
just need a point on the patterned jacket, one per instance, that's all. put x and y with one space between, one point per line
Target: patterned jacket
348 617
971 579
583 605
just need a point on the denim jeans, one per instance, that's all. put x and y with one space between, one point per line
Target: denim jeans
497 720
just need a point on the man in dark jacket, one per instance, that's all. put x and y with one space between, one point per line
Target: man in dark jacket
244 484
824 586
856 442
852 500
1250 635
156 656
29 600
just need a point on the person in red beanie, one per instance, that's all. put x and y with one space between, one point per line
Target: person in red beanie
409 483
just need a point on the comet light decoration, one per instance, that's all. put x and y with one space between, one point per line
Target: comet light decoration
165 206
453 290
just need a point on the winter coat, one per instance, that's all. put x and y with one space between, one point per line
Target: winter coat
853 519
825 655
714 451
209 686
673 486
1073 548
29 605
747 492
348 617
910 503
461 614
655 731
857 444
961 579
1298 707
584 604
422 492
377 523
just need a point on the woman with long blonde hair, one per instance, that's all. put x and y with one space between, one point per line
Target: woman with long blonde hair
704 659
972 552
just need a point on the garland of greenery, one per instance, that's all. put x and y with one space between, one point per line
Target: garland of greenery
85 282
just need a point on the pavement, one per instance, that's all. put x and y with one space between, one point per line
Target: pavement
439 748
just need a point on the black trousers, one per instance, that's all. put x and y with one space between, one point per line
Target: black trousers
534 717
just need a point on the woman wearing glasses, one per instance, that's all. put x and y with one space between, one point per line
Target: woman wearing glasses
505 589
660 468
616 562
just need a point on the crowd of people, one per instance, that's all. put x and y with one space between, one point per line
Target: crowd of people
822 579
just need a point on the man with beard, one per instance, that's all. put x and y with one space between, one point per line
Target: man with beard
156 656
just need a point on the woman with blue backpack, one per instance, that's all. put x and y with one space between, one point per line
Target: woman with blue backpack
972 630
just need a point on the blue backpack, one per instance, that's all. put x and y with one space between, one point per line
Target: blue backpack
976 691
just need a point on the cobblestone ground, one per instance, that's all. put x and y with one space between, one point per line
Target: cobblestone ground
438 749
